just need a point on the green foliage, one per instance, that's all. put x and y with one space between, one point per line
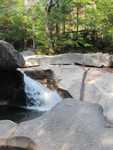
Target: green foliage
85 24
15 23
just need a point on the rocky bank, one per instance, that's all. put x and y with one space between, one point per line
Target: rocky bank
83 122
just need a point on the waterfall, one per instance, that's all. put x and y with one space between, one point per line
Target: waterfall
39 97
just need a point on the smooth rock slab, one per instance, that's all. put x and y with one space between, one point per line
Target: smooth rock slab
88 59
7 127
69 77
71 125
99 89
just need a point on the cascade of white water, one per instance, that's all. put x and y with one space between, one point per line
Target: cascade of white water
38 96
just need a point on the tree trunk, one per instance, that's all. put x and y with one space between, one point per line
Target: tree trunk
49 25
77 24
64 27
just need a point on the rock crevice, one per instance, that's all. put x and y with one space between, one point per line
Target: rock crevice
82 89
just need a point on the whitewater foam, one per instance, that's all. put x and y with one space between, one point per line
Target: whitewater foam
39 97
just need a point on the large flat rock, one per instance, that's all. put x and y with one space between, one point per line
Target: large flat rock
71 125
89 59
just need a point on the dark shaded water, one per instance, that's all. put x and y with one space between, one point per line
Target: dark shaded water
17 114
12 148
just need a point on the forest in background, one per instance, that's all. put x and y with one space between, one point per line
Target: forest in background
58 26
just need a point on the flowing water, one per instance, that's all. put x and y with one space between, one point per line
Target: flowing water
39 97
39 100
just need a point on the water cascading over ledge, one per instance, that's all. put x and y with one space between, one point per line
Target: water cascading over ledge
21 98
19 90
39 97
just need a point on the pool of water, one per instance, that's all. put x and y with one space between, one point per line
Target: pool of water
17 114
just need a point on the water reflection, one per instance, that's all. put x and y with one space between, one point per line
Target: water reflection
17 114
